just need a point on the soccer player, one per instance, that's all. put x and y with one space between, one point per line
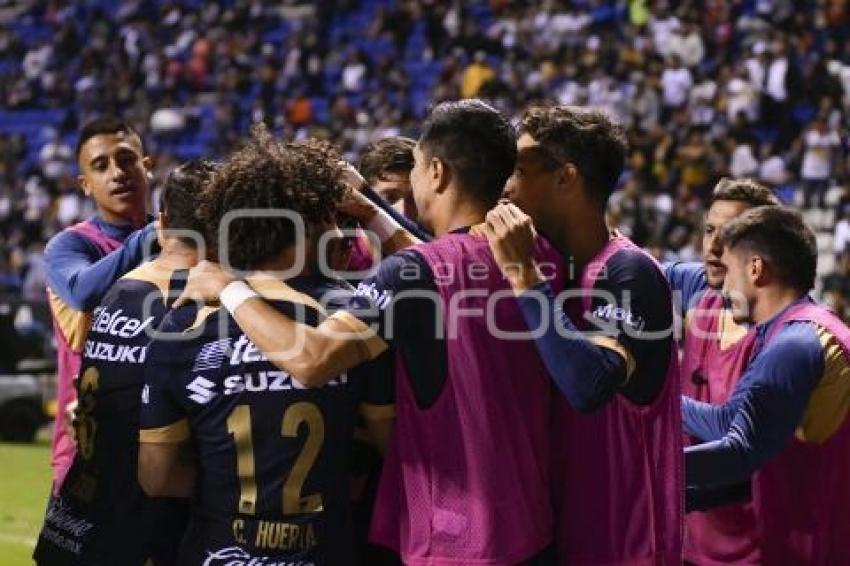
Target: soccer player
271 479
84 260
785 422
386 166
617 447
100 515
715 351
466 477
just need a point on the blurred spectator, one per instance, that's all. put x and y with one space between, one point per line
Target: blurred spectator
476 75
819 159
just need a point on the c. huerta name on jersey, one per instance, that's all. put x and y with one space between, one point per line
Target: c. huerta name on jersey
115 324
286 537
121 353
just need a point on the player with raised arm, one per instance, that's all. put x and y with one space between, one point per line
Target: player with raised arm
270 482
466 478
84 260
100 515
785 422
616 441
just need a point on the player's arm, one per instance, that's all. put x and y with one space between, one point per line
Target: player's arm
81 282
377 402
770 401
166 467
166 470
312 355
394 231
687 281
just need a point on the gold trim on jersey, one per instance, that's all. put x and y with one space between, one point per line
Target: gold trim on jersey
155 273
372 412
169 434
611 344
73 324
372 344
829 403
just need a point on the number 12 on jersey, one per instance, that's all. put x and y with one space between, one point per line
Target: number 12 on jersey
239 426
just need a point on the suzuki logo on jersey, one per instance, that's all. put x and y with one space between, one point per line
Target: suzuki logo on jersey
115 324
270 381
202 390
611 313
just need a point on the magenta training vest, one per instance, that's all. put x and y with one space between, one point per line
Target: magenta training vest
68 366
466 481
618 472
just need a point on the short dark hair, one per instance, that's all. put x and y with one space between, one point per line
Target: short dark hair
584 137
181 193
304 177
476 142
781 237
747 191
389 155
100 126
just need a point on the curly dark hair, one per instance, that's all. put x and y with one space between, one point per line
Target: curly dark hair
782 238
303 177
181 193
586 138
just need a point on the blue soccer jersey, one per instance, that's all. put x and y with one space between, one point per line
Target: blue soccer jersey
100 514
273 457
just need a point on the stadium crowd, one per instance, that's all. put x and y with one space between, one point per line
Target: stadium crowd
746 88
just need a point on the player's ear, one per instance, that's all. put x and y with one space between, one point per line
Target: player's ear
440 174
758 270
84 184
567 176
147 163
161 227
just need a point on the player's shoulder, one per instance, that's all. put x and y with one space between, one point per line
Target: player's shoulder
67 240
631 264
796 342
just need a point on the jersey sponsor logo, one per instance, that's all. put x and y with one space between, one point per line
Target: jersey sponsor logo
121 353
117 324
270 381
211 355
244 352
63 528
610 312
236 556
380 298
202 390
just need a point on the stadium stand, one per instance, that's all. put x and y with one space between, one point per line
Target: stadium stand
755 88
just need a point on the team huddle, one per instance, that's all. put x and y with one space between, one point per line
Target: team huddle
444 357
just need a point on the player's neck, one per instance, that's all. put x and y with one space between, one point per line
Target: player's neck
177 255
459 215
284 262
580 234
772 301
136 221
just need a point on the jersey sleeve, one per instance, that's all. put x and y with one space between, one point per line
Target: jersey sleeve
766 407
81 281
163 418
402 304
377 381
687 281
631 314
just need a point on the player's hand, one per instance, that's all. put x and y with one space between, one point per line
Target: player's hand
206 282
71 420
355 203
511 234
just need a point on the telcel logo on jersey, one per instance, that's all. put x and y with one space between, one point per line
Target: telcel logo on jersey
235 556
116 325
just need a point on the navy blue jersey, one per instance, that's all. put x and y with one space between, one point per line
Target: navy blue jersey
273 457
100 514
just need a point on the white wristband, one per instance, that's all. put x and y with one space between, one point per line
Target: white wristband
234 294
383 225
